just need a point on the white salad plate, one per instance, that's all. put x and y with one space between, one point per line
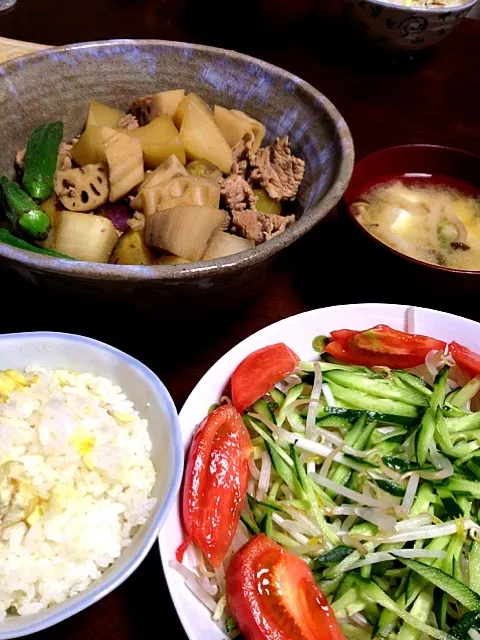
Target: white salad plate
297 332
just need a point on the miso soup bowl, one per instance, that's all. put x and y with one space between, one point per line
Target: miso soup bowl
425 159
65 79
399 28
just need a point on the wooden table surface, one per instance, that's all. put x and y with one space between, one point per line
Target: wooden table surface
433 99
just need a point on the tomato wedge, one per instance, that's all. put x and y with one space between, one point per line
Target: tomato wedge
467 360
255 375
215 484
382 346
273 595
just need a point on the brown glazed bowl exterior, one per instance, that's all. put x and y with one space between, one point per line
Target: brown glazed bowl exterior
414 159
59 83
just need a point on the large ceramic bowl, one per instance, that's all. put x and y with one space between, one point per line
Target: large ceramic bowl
297 332
153 402
401 28
59 83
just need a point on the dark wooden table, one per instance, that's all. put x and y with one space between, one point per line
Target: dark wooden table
433 99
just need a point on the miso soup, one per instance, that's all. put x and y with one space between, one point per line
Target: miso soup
424 219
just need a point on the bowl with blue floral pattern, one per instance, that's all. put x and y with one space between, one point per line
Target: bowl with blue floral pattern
404 25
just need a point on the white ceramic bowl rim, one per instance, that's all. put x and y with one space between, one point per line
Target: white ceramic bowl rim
151 528
413 9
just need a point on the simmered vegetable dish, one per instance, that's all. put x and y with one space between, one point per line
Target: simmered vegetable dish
172 181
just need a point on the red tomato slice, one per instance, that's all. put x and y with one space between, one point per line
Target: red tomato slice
255 375
369 359
384 339
467 360
273 595
343 335
215 484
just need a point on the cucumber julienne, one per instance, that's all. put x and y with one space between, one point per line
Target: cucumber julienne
382 501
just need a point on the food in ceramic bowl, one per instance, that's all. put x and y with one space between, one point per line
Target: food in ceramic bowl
404 26
419 204
123 191
90 462
333 460
284 104
430 220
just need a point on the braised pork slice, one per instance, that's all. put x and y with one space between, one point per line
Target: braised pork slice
278 171
243 155
237 193
257 226
129 122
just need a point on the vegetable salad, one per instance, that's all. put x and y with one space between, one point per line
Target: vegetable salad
339 498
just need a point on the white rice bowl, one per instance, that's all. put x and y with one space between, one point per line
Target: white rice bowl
85 453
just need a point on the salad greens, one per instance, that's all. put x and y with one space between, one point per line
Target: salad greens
371 475
378 491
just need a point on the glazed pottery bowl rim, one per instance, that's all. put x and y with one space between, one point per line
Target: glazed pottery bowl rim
136 273
401 147
143 539
426 10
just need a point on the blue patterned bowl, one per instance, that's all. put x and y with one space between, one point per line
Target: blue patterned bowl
400 28
58 84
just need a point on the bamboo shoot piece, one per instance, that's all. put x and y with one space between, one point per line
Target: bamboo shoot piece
101 115
125 162
185 190
202 138
160 139
232 127
225 244
85 236
166 102
257 128
167 170
184 231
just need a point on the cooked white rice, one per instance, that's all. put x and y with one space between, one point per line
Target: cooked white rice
75 483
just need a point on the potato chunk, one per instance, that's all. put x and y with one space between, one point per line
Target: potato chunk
166 102
85 236
188 190
89 148
183 231
101 115
160 139
168 169
131 249
82 189
202 139
125 162
183 106
171 260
